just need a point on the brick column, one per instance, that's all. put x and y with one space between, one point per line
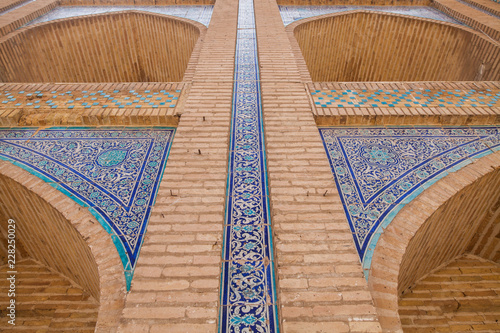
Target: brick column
320 279
176 282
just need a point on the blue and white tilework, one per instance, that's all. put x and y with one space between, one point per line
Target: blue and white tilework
201 14
248 291
290 14
115 172
378 170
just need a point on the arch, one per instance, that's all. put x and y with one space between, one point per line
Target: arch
363 45
70 242
389 261
126 46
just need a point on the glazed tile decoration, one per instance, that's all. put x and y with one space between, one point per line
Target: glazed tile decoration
290 14
115 172
89 99
378 170
201 14
406 98
479 8
248 291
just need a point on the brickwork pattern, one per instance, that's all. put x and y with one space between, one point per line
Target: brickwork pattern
321 285
123 114
114 47
472 17
34 199
47 301
487 5
371 46
391 248
401 114
176 281
462 295
17 18
449 228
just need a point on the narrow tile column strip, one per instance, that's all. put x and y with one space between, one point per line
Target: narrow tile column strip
248 291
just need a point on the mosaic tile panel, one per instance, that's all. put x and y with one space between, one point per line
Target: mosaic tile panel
115 172
406 98
197 13
89 99
291 14
479 8
378 170
248 292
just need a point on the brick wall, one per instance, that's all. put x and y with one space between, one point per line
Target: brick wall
367 46
176 283
355 2
448 232
64 238
115 47
459 296
401 241
47 236
135 2
46 300
19 17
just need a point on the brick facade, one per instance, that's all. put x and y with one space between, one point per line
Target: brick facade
320 281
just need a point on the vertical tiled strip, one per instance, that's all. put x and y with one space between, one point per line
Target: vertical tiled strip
248 292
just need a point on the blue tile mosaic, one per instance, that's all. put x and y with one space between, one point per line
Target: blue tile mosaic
290 14
198 13
16 7
379 170
248 292
115 172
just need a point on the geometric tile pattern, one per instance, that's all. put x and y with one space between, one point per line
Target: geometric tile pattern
199 13
409 98
88 99
378 170
290 14
115 172
248 292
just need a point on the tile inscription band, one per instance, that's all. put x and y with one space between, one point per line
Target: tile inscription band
248 291
378 170
115 172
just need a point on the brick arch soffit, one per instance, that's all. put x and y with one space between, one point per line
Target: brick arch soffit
306 76
396 236
111 278
193 60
